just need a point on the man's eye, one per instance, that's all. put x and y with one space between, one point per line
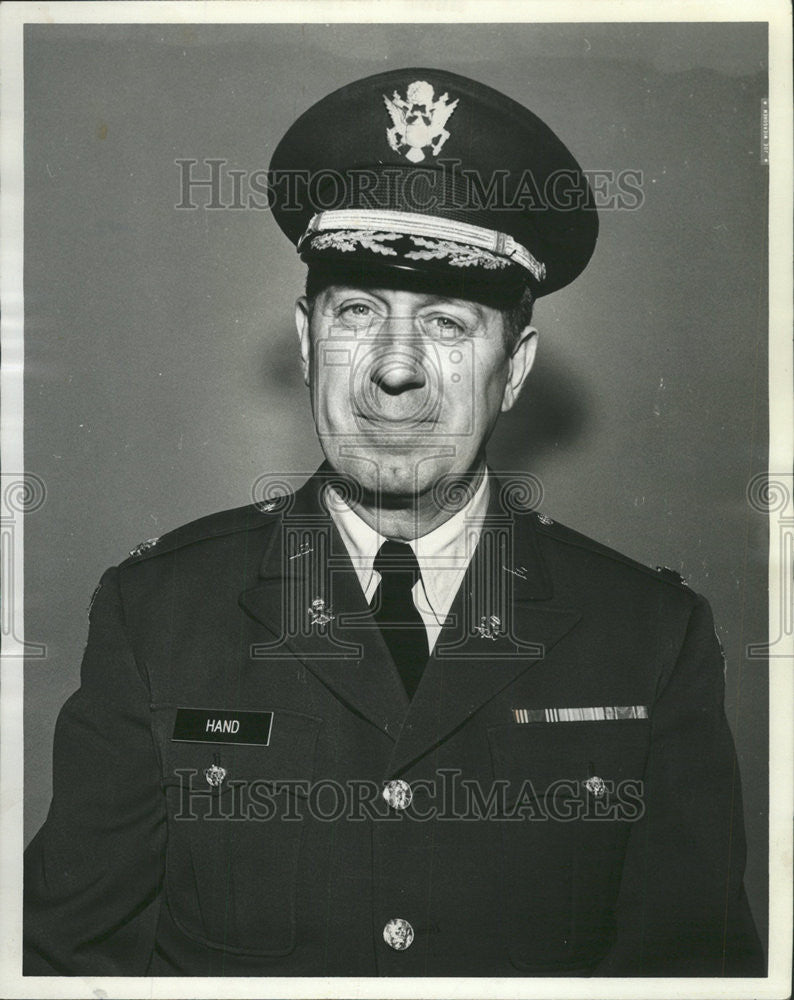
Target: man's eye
444 327
357 313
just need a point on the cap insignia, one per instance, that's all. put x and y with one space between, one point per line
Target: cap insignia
419 121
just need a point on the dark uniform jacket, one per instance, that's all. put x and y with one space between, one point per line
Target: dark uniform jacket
576 805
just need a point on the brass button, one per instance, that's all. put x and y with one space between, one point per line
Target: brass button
398 793
215 775
398 934
596 786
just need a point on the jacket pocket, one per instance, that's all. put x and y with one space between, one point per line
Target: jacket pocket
573 791
235 834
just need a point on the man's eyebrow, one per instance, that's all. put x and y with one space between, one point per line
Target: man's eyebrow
346 289
462 303
337 291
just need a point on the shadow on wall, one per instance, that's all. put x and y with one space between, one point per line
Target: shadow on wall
279 366
552 413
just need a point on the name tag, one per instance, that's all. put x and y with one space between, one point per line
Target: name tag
211 725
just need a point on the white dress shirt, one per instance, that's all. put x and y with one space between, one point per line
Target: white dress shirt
443 555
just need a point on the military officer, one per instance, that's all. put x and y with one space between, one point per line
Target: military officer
396 722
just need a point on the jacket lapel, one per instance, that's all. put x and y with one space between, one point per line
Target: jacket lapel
310 601
502 621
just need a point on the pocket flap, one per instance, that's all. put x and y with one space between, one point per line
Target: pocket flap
214 766
557 760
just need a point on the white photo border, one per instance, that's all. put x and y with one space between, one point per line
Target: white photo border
13 17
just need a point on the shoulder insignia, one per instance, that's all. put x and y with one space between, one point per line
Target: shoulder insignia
670 575
274 504
207 528
562 533
144 546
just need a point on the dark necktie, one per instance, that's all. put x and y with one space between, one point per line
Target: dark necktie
395 612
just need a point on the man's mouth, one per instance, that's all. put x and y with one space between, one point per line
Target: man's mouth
396 423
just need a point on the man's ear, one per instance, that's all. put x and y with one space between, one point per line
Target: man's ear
302 324
520 363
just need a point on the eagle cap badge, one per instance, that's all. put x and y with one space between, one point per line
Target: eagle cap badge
419 121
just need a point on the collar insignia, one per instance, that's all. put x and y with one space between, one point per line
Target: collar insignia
489 628
319 614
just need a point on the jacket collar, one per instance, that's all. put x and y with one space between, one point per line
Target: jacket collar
310 600
503 620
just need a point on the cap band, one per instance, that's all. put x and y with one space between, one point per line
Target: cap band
414 224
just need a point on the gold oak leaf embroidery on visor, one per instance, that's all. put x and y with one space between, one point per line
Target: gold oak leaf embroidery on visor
455 254
458 255
456 243
350 240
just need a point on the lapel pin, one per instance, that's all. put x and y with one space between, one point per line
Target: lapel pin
304 550
596 786
215 775
318 613
489 627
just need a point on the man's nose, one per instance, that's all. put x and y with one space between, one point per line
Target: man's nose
399 362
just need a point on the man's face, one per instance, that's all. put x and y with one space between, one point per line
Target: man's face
406 386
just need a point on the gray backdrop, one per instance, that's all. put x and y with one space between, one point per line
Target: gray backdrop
162 371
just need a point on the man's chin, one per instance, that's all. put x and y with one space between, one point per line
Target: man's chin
393 475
